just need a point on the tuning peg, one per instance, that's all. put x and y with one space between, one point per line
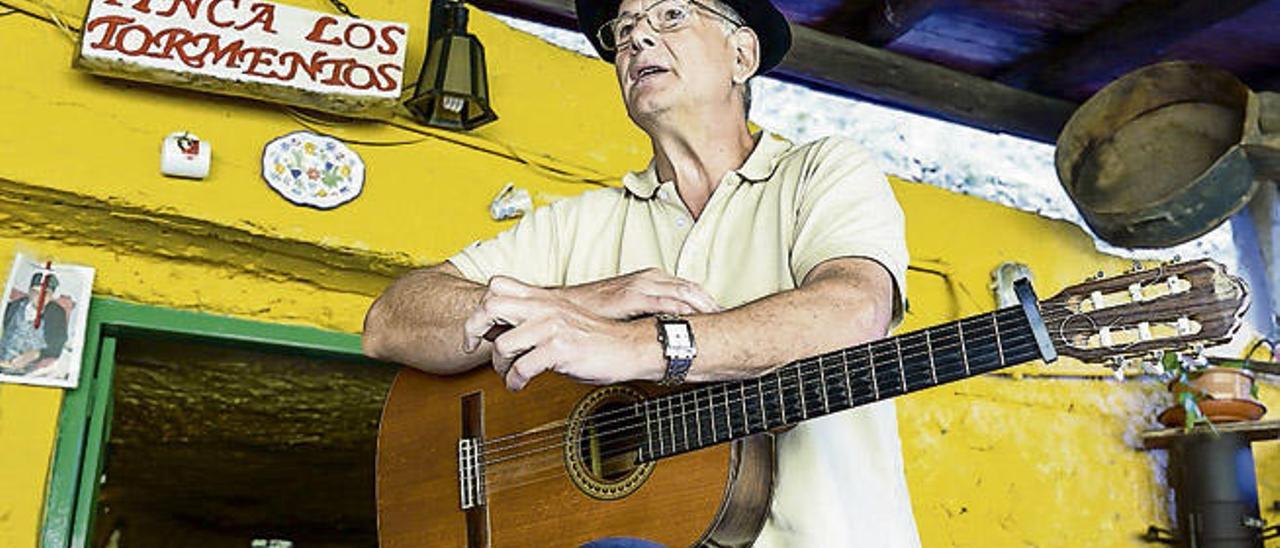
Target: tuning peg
1117 367
1152 367
1151 362
1136 266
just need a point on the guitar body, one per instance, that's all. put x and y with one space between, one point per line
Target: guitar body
715 496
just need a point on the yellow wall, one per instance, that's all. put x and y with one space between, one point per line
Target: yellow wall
991 461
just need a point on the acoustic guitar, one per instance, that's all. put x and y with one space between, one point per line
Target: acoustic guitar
464 462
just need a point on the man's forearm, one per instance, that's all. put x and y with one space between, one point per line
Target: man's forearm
418 321
841 307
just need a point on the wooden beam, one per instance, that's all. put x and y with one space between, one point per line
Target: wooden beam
853 69
904 82
885 21
1136 36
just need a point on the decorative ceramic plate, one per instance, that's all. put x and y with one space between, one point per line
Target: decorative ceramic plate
313 170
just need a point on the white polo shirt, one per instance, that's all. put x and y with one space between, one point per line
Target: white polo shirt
839 479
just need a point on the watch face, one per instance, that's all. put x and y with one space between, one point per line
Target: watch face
678 334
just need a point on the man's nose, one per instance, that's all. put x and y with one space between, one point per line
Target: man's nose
643 36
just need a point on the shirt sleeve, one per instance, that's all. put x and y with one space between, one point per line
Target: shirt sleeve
845 208
531 251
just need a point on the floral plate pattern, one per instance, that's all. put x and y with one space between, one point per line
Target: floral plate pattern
312 169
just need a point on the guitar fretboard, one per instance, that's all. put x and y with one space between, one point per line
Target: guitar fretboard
833 382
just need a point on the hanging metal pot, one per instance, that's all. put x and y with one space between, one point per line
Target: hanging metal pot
1167 152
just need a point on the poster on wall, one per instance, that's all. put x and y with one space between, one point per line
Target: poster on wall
251 48
45 314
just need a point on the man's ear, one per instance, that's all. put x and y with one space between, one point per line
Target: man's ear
746 45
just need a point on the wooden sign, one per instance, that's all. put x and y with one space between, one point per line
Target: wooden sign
250 48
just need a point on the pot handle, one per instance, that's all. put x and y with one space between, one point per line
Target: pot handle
1262 134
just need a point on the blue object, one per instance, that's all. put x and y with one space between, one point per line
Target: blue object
622 542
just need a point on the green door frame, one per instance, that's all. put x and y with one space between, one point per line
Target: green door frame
85 420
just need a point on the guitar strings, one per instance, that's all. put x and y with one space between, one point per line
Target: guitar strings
943 343
638 426
768 390
1052 316
1063 315
631 414
492 447
549 460
632 443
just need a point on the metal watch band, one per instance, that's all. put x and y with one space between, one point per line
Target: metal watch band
677 369
677 366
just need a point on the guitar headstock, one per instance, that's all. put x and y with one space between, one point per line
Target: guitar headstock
1175 306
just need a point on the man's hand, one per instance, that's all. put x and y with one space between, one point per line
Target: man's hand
552 331
642 293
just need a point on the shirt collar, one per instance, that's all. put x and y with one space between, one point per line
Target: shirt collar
759 166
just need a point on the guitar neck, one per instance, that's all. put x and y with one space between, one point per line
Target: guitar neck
833 382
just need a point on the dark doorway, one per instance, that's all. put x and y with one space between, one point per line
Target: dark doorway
215 445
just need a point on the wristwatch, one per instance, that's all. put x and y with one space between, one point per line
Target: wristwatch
676 338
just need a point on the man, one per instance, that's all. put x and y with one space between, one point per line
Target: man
26 344
766 251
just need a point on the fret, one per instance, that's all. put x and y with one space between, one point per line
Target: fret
902 368
697 417
822 373
928 342
662 438
804 407
837 394
728 415
728 411
746 417
848 390
671 417
648 426
999 347
706 399
781 404
885 366
764 417
684 425
963 352
875 384
711 410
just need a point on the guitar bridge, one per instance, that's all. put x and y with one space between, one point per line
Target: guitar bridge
470 473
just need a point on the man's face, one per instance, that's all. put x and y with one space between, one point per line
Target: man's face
659 72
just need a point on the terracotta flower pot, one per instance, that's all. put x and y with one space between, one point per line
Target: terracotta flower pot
1224 395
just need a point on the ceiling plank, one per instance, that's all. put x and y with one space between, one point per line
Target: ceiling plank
1136 36
850 68
900 81
885 21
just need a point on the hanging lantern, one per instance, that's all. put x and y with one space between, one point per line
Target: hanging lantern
453 87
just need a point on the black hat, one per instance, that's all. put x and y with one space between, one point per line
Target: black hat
769 23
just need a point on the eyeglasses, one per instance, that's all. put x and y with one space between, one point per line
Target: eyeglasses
664 16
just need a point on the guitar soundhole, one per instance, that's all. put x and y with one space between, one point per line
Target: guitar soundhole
608 448
603 442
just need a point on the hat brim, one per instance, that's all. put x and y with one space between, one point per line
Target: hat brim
761 15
